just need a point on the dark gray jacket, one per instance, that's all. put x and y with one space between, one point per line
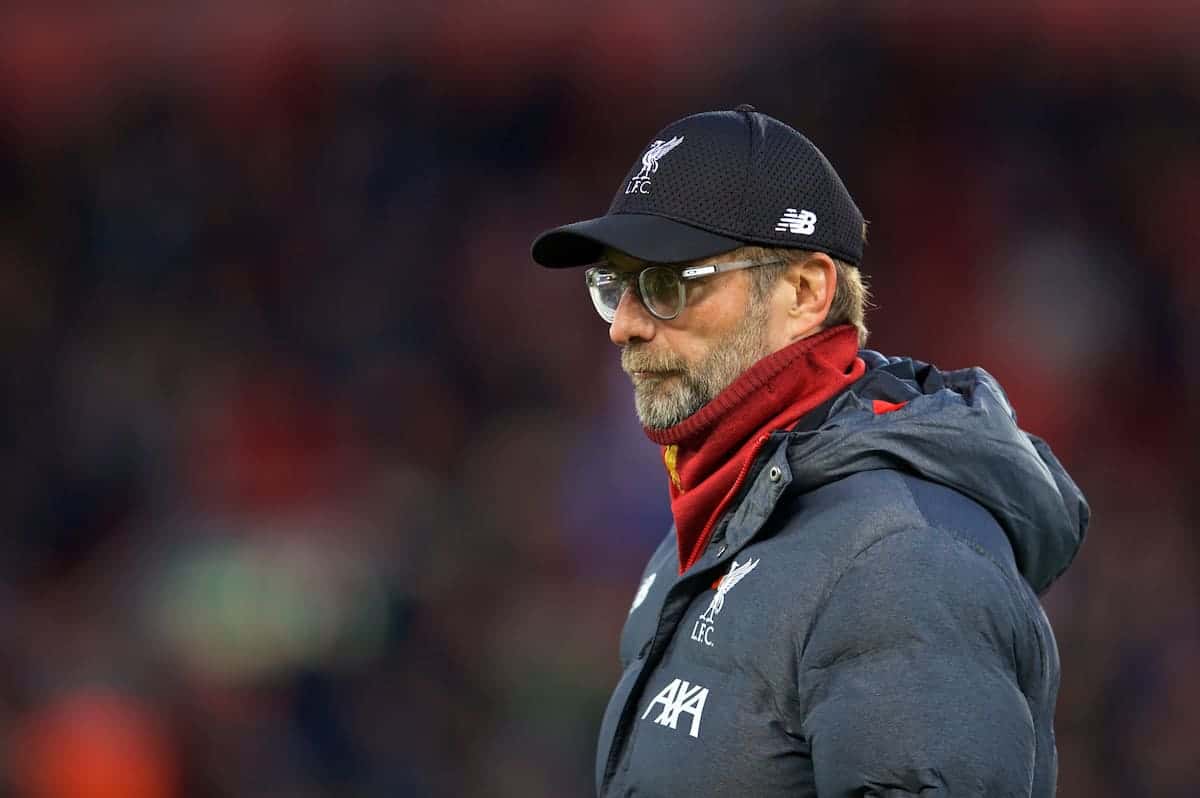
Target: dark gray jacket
877 630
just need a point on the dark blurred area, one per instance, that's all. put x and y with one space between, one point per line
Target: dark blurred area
314 485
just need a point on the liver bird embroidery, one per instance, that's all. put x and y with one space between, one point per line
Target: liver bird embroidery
736 574
657 150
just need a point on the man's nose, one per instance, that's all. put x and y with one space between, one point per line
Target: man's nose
632 322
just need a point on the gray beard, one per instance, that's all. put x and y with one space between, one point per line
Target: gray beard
663 402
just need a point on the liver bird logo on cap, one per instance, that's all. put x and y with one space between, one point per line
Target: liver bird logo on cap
640 183
653 155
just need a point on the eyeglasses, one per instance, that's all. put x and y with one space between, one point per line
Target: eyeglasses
660 288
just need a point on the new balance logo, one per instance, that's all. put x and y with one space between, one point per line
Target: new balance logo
677 698
802 223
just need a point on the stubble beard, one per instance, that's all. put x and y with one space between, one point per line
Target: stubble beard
665 400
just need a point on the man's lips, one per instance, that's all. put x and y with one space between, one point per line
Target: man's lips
643 374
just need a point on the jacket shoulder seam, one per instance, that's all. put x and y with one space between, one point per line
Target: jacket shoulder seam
1012 578
954 532
819 613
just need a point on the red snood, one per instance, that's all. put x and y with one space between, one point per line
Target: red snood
709 454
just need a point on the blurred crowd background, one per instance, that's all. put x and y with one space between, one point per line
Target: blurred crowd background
313 484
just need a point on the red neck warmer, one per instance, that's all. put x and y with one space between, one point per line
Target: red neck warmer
709 454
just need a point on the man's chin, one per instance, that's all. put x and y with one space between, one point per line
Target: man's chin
657 423
654 415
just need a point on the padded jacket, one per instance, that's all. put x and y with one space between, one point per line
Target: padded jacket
864 620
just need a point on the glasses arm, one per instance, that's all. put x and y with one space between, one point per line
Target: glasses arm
694 272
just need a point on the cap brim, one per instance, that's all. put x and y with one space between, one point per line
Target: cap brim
642 235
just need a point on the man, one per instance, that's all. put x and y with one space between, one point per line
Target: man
847 603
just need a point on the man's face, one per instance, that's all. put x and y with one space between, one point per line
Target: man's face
678 366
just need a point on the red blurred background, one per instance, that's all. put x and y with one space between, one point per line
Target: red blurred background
314 485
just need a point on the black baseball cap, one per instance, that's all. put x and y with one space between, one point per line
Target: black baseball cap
710 183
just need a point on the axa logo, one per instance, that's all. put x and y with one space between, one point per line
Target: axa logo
640 183
643 591
680 697
703 628
799 222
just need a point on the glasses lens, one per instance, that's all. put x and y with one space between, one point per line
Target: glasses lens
606 288
662 291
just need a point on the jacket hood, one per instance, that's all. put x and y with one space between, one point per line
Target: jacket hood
956 428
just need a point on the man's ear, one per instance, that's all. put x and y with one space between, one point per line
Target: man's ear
813 280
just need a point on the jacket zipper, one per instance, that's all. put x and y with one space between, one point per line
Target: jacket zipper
619 749
702 541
